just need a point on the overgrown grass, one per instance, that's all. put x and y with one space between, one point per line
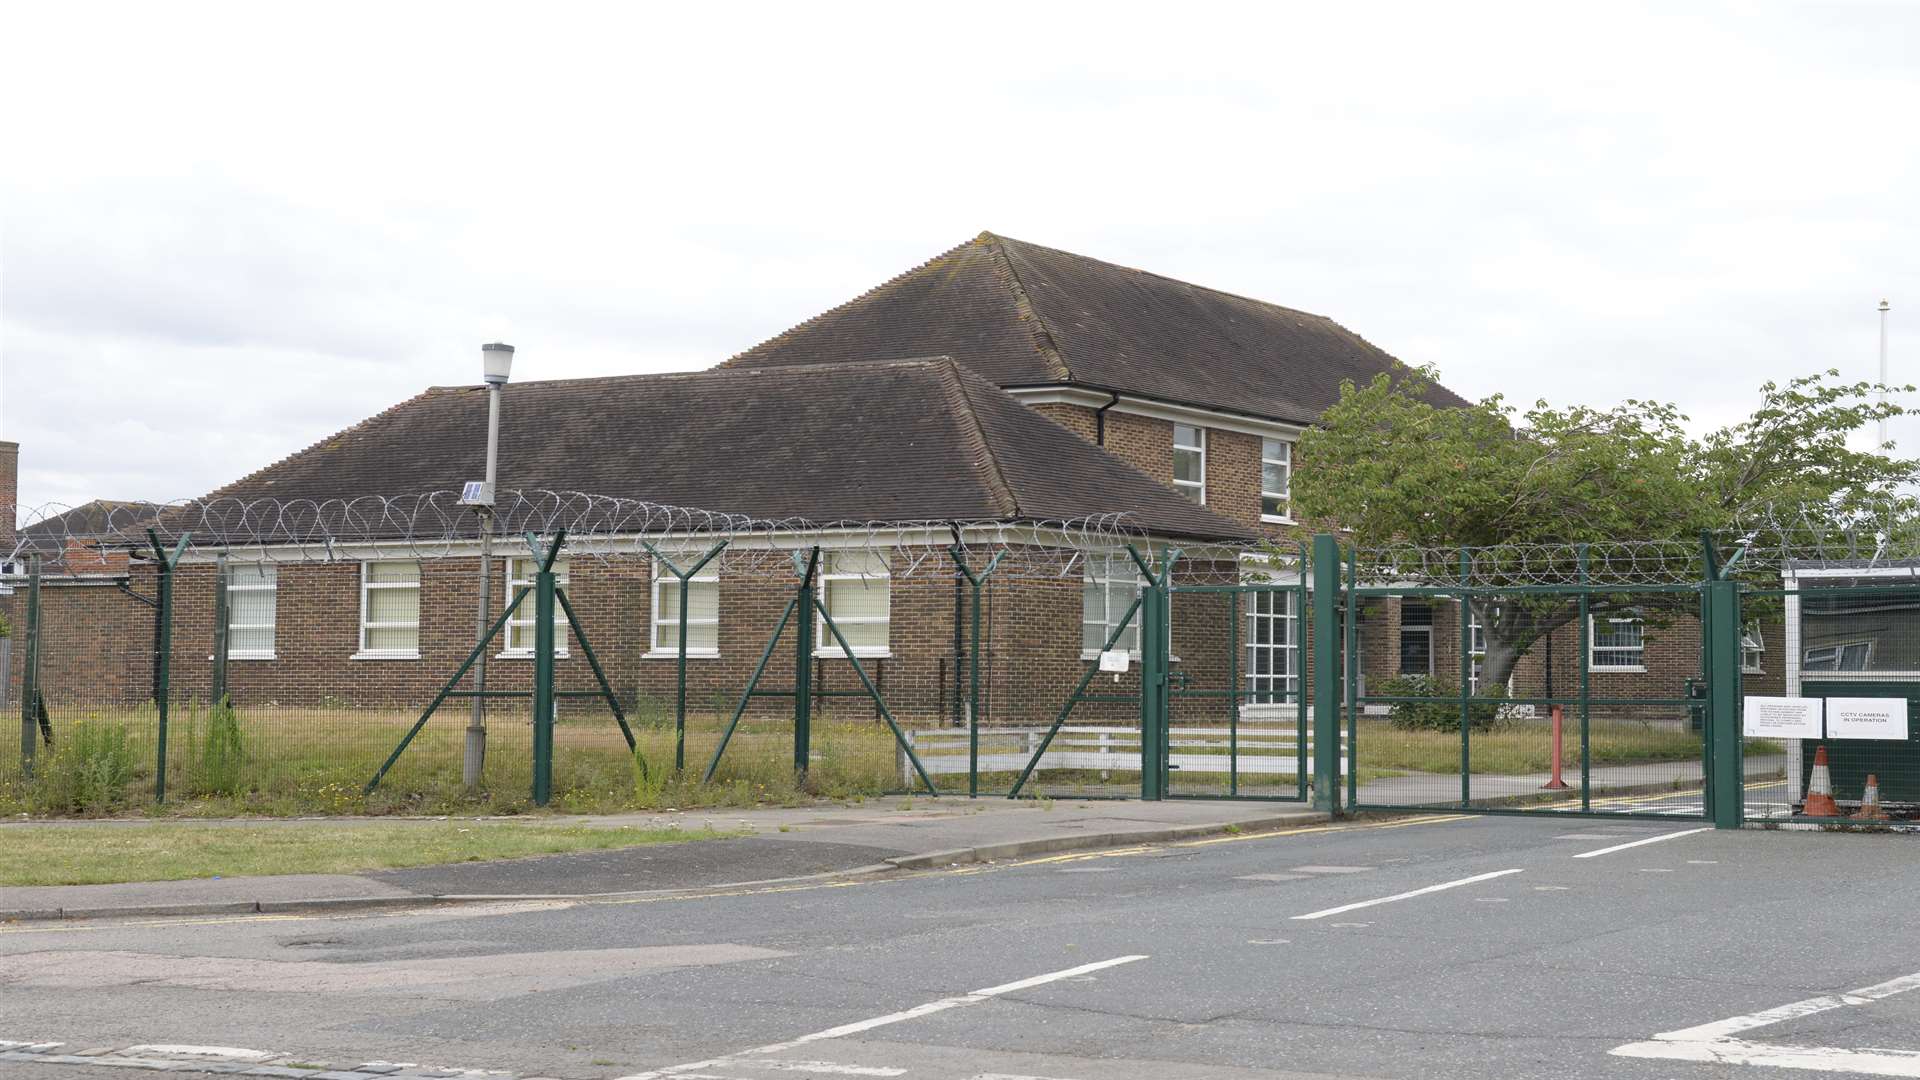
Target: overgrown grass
171 851
279 761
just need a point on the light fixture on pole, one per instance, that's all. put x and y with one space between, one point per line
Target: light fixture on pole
496 366
1883 370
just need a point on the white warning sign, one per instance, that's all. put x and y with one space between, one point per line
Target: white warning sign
1867 718
1780 718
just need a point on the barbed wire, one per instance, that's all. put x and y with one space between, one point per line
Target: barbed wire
102 537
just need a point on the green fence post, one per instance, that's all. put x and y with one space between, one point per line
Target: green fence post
1325 596
218 692
30 668
163 660
544 582
1726 793
685 578
1353 700
803 666
1466 675
973 663
1155 660
1586 689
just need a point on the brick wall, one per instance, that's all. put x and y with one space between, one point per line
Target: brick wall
99 641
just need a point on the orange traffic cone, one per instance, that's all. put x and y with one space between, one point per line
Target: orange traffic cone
1820 789
1870 808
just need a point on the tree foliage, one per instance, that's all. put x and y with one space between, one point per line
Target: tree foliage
1387 465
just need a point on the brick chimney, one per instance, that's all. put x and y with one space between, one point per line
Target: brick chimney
9 494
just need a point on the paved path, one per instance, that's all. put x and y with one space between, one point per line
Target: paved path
1443 948
783 843
1443 789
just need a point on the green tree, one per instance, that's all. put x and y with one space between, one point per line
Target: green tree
1389 467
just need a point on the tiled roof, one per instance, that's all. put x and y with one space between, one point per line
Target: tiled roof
1025 315
893 441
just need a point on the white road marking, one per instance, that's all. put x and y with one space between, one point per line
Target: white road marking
1552 888
1714 1042
855 1028
226 1053
819 1067
1638 843
1267 941
1406 895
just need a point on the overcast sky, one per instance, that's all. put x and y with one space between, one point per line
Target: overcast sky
229 231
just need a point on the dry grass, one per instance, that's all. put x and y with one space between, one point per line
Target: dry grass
170 851
318 761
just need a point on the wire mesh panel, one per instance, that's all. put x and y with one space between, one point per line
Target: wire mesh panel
1831 705
1237 726
1554 699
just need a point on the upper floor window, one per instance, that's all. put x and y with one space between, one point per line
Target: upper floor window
1848 656
520 575
1190 461
250 610
1753 649
857 592
390 610
1619 643
1276 479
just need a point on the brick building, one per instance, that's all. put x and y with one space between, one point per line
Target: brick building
1050 386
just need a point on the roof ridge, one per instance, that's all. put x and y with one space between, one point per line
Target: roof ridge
318 443
740 372
843 305
995 477
1174 280
1044 340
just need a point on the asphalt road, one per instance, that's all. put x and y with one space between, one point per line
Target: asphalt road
1239 957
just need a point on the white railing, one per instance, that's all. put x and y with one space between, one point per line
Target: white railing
1265 747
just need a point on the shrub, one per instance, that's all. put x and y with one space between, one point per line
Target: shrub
89 774
1484 714
222 755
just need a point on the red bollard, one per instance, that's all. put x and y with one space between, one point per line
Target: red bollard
1556 784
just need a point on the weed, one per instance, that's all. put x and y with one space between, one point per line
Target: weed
88 774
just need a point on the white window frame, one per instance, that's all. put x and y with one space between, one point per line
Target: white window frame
1110 578
824 644
1195 487
1281 686
269 583
1595 649
1753 650
366 587
1267 443
1838 652
708 575
1405 629
523 618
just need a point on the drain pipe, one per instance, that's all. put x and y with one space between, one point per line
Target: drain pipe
1100 418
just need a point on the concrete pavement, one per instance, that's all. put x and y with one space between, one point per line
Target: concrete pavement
1443 948
780 844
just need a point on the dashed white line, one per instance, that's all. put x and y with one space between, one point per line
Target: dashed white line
1641 842
988 994
1405 895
